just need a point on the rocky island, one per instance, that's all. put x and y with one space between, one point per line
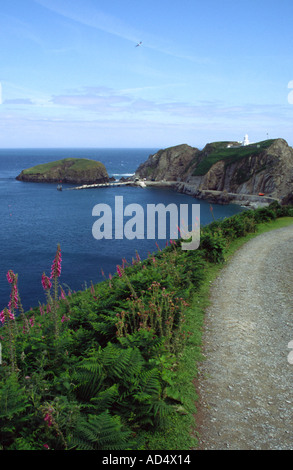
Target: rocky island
68 170
225 172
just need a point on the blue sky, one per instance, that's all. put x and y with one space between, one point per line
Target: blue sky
210 70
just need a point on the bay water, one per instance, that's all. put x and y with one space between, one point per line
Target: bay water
35 217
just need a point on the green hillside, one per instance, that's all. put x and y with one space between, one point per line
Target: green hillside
218 151
75 164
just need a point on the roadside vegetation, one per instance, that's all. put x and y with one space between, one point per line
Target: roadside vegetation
112 367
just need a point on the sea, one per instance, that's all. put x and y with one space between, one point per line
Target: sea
35 218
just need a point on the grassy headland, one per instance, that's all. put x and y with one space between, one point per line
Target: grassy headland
112 367
73 163
68 170
218 151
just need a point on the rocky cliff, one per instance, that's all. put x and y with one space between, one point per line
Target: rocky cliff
68 170
169 164
265 167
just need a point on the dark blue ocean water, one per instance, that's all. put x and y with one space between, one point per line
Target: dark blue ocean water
36 217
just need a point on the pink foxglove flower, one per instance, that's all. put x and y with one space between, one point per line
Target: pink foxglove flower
2 317
11 315
119 271
62 296
46 283
10 276
56 266
158 247
13 303
48 418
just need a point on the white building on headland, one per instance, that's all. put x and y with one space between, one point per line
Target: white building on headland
241 144
245 141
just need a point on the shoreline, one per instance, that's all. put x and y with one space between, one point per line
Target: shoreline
216 197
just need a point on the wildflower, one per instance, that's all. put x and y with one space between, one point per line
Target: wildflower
46 446
11 314
48 418
46 283
119 271
13 303
56 266
10 276
2 317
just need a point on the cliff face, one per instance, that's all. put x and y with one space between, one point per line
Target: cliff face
69 170
265 167
169 164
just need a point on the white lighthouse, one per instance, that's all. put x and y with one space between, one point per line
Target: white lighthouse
245 141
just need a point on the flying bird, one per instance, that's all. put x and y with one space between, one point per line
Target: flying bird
139 44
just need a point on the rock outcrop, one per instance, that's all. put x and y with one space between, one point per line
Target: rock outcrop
68 170
225 167
169 164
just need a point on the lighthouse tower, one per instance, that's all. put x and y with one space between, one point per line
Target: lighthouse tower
246 141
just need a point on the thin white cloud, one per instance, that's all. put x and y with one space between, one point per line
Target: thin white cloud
91 101
84 13
107 102
23 101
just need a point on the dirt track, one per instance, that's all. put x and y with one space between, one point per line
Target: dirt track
246 382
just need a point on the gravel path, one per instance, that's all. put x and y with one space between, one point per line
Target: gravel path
245 383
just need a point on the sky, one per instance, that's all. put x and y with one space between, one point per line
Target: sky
72 76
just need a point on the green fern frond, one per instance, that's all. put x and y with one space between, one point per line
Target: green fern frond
89 377
106 398
150 383
122 363
13 400
101 432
